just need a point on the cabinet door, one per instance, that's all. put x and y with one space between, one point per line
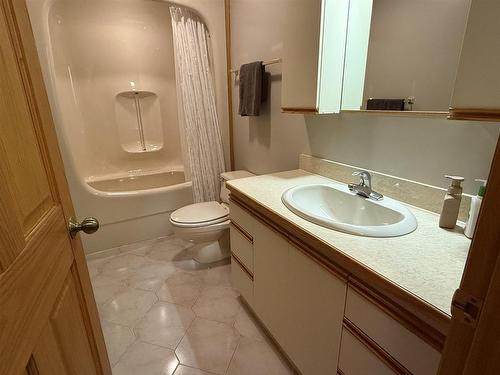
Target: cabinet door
270 279
313 55
300 55
476 94
315 305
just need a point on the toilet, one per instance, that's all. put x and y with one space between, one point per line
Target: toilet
206 224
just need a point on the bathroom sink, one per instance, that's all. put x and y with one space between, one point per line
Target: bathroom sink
334 206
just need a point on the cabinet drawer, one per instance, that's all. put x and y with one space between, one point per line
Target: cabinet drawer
242 247
242 281
407 348
242 219
356 358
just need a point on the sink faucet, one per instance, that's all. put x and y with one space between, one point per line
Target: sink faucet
364 188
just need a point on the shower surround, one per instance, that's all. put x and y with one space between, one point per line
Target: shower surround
110 75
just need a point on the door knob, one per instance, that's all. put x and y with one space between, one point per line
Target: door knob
89 225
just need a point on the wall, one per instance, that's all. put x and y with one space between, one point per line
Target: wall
100 47
419 149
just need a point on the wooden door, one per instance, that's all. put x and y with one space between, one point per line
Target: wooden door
48 317
473 343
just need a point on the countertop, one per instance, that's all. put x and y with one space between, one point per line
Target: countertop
427 263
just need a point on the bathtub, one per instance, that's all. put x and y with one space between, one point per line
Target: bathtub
132 207
141 182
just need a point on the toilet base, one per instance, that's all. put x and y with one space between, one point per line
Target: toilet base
211 252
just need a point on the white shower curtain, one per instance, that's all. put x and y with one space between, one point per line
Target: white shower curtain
196 102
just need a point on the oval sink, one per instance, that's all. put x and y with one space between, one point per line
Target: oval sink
334 206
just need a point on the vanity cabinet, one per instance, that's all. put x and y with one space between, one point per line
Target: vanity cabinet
392 341
315 303
299 302
313 55
319 316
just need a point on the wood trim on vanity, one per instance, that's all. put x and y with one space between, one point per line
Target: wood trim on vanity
418 316
243 267
376 349
474 114
418 327
320 261
242 231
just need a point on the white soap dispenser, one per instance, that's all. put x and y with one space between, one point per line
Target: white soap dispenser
475 205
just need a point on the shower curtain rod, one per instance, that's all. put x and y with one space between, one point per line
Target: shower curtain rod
267 62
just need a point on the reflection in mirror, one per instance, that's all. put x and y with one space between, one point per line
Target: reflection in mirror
403 54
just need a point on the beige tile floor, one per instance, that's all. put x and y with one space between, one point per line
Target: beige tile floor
163 314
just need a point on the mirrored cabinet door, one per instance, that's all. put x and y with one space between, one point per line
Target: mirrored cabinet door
476 95
403 55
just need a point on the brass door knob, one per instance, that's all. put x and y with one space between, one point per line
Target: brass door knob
89 225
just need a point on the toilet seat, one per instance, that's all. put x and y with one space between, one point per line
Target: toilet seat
200 215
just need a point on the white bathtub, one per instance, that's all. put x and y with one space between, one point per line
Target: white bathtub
141 182
133 207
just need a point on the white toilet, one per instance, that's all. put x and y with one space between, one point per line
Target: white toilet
206 224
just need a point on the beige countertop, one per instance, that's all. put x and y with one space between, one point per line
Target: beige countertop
427 263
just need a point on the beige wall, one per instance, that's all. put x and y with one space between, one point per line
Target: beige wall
99 48
418 149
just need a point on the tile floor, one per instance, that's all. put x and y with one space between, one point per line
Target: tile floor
163 314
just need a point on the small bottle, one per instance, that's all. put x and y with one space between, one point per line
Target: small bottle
451 204
475 205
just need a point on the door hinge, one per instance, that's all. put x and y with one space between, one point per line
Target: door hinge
466 307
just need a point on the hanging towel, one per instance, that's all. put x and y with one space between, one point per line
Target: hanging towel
251 87
385 104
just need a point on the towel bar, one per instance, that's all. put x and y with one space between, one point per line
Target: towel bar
267 62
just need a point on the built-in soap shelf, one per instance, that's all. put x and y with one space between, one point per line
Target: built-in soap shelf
139 121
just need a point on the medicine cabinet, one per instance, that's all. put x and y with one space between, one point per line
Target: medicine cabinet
399 56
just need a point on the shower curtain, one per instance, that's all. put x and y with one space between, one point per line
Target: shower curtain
196 104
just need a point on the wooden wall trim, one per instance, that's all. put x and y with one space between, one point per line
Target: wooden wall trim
474 114
242 231
418 114
376 349
229 78
299 110
243 267
421 318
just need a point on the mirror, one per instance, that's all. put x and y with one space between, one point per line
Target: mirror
402 55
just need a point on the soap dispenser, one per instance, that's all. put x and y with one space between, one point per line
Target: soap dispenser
451 204
475 205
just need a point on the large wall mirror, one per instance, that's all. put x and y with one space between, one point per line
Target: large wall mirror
403 54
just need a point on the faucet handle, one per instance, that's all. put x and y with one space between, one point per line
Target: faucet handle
365 179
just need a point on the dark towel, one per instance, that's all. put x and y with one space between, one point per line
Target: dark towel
385 104
251 88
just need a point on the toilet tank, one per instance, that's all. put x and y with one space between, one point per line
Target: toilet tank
226 176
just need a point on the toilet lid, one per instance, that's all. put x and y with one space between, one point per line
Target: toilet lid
200 213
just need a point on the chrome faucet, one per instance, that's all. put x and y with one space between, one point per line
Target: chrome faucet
364 188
